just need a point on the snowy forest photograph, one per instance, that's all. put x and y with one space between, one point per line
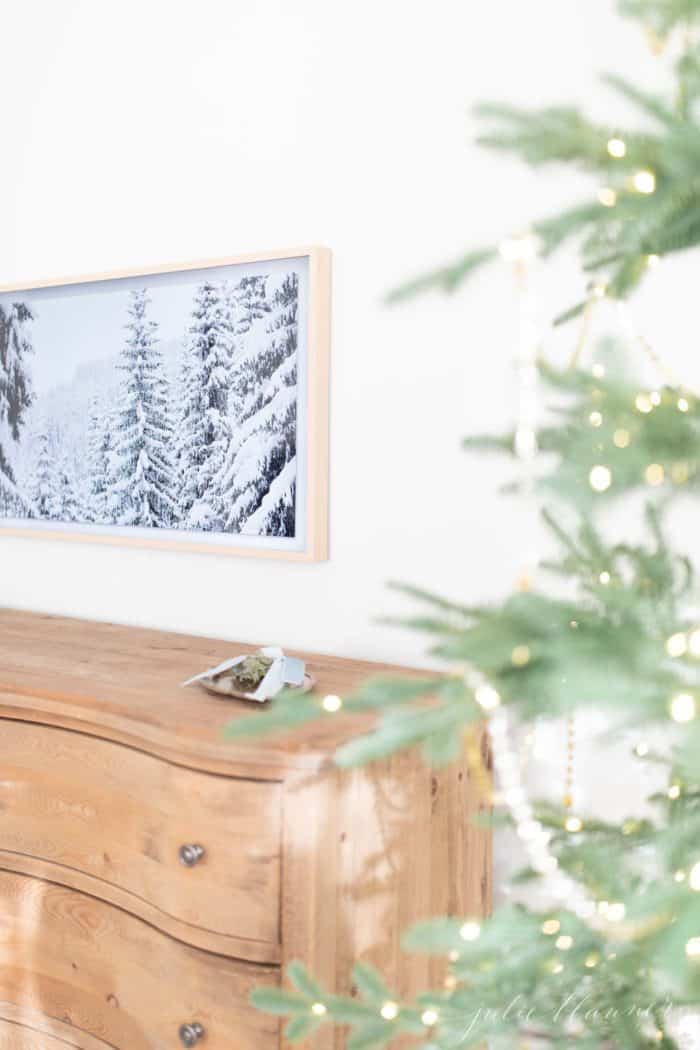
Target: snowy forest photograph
171 402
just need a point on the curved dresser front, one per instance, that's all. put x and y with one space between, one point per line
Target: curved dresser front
152 874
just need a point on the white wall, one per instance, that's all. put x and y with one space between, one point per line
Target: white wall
137 132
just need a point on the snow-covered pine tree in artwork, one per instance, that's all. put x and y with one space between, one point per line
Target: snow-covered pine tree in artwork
205 430
15 398
99 452
142 482
258 481
43 479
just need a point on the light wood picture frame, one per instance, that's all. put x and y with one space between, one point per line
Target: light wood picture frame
182 407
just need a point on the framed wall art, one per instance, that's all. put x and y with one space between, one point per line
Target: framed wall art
181 406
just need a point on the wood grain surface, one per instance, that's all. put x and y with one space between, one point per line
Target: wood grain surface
124 683
99 970
110 820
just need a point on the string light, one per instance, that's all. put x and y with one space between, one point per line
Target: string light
487 697
470 931
604 578
595 419
319 1009
694 642
694 878
600 478
550 927
522 248
680 472
617 148
655 398
592 960
643 403
430 1018
564 943
641 750
520 656
654 474
682 404
692 948
679 876
331 704
573 824
621 438
598 370
390 1011
599 290
644 182
683 707
653 261
677 645
607 197
615 912
674 792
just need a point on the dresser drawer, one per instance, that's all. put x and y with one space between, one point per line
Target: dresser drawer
109 820
102 973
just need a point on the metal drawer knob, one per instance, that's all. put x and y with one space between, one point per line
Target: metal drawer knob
190 1034
189 856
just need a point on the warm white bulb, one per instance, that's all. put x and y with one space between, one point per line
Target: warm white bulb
487 697
679 876
331 704
595 419
617 148
692 948
694 642
550 927
641 750
653 261
318 1009
683 707
564 942
607 197
615 912
621 438
655 397
674 791
654 474
694 878
573 824
520 249
600 478
429 1018
677 645
604 578
644 182
683 405
643 403
389 1011
470 931
598 370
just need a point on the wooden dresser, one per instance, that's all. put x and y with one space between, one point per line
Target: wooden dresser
152 873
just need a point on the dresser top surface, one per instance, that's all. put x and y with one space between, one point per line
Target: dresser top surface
124 684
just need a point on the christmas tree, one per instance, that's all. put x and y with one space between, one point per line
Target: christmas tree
142 482
612 957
